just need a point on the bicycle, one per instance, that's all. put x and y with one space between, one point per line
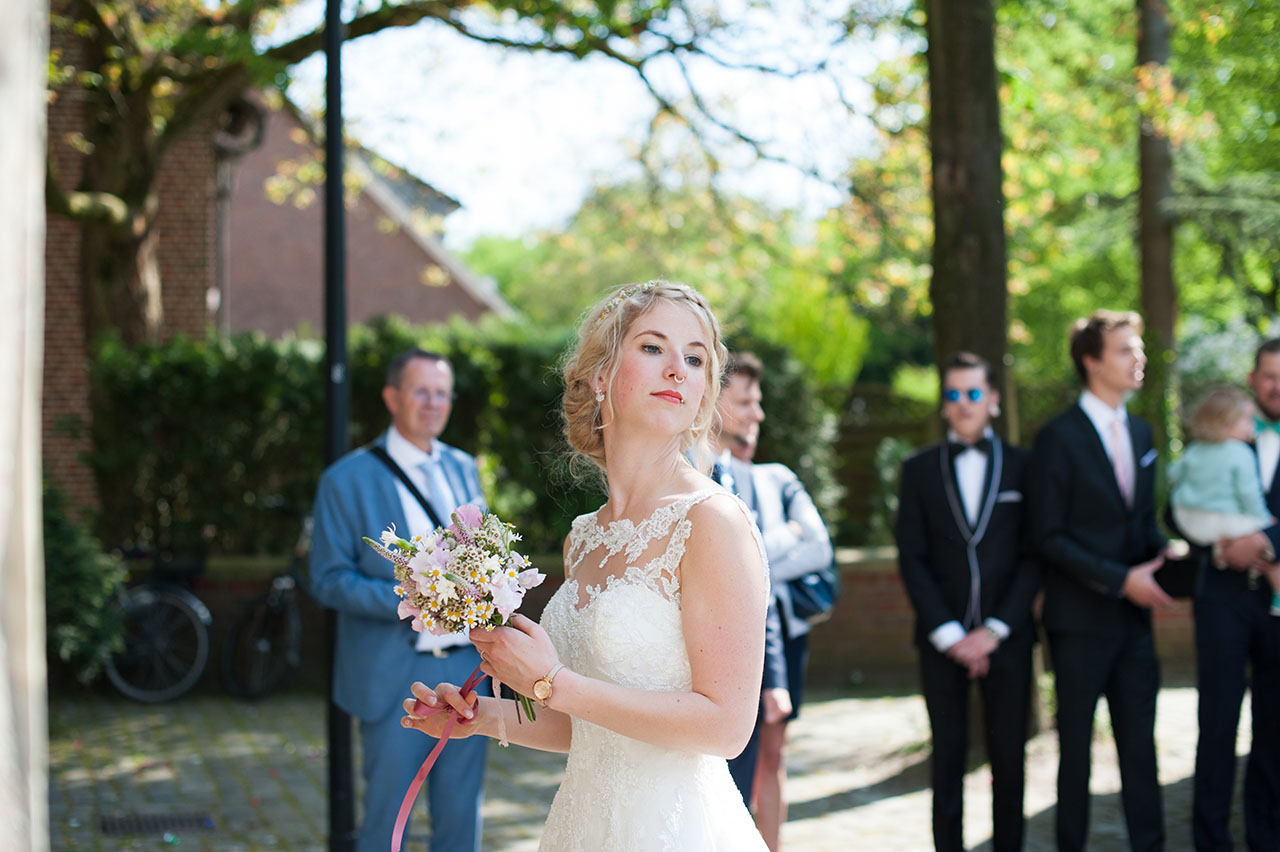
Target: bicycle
166 632
265 641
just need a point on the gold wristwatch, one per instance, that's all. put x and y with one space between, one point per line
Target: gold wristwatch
542 686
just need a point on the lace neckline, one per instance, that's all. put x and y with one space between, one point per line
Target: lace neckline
691 498
632 540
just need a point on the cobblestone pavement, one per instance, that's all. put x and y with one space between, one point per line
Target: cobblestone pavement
858 777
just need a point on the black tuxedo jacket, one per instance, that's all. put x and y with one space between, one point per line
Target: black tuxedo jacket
954 572
1273 506
1086 535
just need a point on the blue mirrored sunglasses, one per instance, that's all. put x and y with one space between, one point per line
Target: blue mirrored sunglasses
953 395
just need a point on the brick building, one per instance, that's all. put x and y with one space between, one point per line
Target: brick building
272 267
232 260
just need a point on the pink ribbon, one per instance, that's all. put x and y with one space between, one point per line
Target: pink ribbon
420 709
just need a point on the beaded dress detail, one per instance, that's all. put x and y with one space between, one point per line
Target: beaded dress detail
620 794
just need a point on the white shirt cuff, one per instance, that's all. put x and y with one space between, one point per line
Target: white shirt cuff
997 627
946 635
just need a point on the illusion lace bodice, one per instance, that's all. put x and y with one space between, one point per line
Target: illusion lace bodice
620 793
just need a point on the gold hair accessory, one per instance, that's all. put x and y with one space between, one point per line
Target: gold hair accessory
623 295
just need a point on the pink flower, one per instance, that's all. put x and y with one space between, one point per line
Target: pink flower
530 578
406 609
507 598
469 515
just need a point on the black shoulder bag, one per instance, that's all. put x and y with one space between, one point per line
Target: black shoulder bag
813 595
384 457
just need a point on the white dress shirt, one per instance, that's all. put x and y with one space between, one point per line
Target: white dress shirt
1268 446
1102 416
412 460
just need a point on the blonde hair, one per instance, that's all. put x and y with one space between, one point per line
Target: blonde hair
597 351
1217 411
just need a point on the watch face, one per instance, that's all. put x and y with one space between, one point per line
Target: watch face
541 690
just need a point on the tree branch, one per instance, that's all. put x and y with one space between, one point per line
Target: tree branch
102 207
109 35
203 101
385 17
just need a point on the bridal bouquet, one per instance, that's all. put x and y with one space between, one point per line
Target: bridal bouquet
462 576
456 578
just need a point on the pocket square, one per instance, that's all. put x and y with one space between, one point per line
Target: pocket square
1147 458
1009 497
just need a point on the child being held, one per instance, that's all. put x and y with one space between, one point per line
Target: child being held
1216 492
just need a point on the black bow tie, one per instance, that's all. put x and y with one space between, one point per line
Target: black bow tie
982 445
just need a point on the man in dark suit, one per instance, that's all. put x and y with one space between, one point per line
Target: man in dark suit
963 554
797 543
378 654
1233 632
1093 521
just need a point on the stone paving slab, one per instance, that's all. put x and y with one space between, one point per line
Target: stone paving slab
858 776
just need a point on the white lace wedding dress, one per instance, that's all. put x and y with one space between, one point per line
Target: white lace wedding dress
620 794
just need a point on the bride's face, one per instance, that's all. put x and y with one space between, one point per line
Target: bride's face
662 370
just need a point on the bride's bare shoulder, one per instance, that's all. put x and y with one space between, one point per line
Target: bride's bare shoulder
717 512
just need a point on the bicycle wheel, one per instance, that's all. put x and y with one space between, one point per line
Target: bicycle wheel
166 644
260 647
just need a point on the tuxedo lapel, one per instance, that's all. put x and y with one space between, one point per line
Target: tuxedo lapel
990 487
1101 466
995 471
951 489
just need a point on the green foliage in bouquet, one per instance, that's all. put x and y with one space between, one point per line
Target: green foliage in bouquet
82 584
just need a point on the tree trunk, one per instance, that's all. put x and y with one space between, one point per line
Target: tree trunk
969 291
121 274
1155 232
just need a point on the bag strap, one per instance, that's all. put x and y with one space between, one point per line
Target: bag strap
385 457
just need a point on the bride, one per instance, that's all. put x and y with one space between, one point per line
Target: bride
649 657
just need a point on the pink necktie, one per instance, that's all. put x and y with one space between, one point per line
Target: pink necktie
1118 461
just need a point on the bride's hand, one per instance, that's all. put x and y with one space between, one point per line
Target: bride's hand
443 697
517 655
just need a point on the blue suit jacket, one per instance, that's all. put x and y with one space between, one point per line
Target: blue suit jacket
375 651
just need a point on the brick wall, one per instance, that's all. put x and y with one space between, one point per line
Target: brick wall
189 231
186 254
66 386
276 257
869 637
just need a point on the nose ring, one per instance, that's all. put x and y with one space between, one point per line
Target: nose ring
678 380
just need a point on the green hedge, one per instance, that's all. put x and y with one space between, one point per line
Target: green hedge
191 437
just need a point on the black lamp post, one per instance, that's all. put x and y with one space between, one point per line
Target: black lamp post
337 399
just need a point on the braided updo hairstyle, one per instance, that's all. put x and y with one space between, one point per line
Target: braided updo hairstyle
596 353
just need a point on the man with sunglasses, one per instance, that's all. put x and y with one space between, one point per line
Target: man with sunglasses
964 558
1093 520
410 478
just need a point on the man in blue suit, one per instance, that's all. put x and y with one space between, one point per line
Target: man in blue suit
796 543
377 654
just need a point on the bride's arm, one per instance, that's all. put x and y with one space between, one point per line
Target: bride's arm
723 602
549 732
